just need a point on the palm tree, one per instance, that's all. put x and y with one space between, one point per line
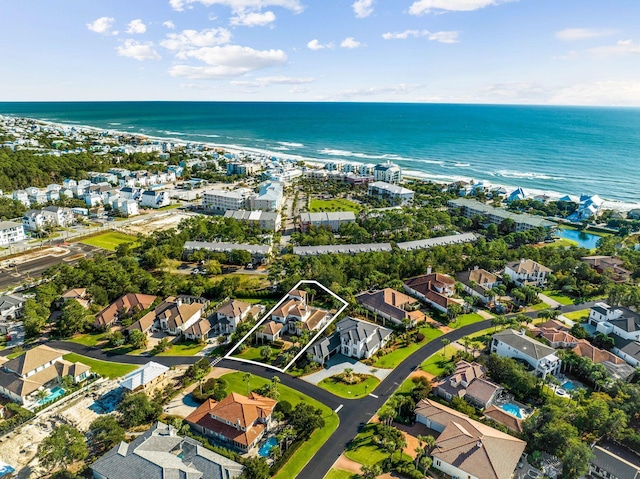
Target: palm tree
466 340
41 395
426 462
265 352
370 472
246 377
445 342
275 380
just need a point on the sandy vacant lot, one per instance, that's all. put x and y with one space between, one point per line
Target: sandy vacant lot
158 223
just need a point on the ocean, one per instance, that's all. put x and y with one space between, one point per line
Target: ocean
558 150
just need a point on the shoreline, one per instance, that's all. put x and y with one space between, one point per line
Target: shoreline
409 174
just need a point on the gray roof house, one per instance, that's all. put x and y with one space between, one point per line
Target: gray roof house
160 453
517 345
614 462
356 338
11 306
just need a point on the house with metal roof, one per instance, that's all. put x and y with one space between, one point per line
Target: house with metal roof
146 378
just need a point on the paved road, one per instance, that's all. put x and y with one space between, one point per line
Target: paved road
26 271
354 412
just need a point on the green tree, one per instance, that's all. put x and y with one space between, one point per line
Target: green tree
256 468
137 409
106 432
74 319
34 317
62 447
64 474
445 342
305 419
370 472
163 345
575 459
265 353
138 339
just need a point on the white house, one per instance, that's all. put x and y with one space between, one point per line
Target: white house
477 282
154 199
11 306
618 321
11 232
527 272
126 208
589 207
517 345
58 216
387 172
361 339
229 315
173 316
33 220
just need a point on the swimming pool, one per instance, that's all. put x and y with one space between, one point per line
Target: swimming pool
512 409
568 386
266 447
53 395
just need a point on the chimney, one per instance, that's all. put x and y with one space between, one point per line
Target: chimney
522 260
479 444
475 268
179 301
429 269
522 332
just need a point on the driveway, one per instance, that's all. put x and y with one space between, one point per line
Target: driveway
338 363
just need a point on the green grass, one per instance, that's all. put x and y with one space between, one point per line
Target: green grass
435 364
340 474
391 360
188 348
364 450
559 297
89 339
349 391
577 315
15 355
252 353
540 306
303 455
561 243
169 207
406 386
109 240
465 320
336 204
103 368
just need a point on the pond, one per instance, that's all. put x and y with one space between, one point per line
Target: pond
584 240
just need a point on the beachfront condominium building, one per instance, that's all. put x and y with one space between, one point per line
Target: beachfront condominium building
522 222
269 198
395 194
11 232
237 168
219 201
387 172
329 220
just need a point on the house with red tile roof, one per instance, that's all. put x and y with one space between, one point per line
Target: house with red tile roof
237 421
434 289
130 303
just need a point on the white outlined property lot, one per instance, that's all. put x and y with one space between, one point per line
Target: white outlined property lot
267 316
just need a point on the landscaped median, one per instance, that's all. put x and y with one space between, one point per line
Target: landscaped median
236 383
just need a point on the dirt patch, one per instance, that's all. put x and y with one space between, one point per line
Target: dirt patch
347 464
419 373
157 223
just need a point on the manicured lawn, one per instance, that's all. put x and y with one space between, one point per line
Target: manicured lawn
340 474
349 391
540 306
577 315
109 240
15 355
188 348
562 243
302 456
337 204
391 360
465 320
103 368
559 297
252 353
89 339
363 450
435 364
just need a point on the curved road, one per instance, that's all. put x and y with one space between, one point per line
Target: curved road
354 412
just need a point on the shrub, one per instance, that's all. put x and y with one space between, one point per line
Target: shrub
419 337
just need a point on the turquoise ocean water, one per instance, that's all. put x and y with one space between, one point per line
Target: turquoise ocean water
568 150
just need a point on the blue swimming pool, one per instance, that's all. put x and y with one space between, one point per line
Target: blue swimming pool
53 395
568 386
266 447
512 409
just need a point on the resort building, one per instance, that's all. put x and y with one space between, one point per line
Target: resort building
328 220
434 289
130 303
237 421
266 220
222 200
341 249
269 198
11 232
237 168
387 172
39 368
160 453
395 194
259 253
478 282
517 345
527 272
466 448
522 222
148 378
392 305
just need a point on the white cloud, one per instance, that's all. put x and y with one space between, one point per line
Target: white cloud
515 92
273 80
623 47
243 5
101 25
362 8
177 5
298 89
138 50
253 19
400 89
574 34
350 42
136 26
422 7
190 39
602 93
316 45
228 60
169 24
441 37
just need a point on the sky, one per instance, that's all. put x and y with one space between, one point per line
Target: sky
564 52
